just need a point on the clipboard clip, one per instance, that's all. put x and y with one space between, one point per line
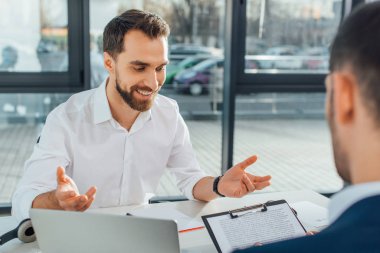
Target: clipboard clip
233 213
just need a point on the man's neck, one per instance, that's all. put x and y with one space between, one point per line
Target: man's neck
366 161
120 111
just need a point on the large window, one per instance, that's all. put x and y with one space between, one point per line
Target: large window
290 36
279 53
41 41
21 119
286 49
34 36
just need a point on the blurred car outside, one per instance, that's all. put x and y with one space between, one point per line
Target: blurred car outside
174 68
179 52
316 58
281 57
196 80
190 49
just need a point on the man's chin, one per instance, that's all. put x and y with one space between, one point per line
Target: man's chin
141 106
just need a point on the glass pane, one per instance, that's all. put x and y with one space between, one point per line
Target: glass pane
33 36
289 134
21 119
194 74
290 36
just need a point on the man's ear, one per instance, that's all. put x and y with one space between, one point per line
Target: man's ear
344 97
109 62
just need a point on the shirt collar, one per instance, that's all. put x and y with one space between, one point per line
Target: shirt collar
343 200
140 121
101 109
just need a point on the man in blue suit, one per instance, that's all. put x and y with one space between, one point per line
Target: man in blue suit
353 113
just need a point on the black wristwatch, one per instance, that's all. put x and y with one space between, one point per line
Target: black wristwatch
215 186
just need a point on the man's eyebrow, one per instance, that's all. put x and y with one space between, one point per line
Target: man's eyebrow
139 63
164 64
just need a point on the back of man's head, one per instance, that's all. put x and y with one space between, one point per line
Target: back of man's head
150 24
357 47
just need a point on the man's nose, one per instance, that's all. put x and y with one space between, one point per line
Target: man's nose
152 81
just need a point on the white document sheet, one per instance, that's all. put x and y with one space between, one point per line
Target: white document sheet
184 222
254 226
313 217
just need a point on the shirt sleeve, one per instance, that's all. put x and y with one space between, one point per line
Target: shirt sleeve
182 160
40 169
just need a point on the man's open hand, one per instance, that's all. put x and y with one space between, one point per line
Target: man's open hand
68 196
237 183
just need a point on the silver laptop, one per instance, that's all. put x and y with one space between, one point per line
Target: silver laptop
76 232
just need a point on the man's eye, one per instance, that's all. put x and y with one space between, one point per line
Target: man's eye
140 69
160 69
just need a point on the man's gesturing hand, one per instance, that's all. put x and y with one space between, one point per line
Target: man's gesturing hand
68 196
237 183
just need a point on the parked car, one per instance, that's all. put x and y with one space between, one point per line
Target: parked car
282 57
174 68
195 80
188 49
316 58
179 52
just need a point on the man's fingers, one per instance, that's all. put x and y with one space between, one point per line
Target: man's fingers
262 185
259 178
61 175
311 232
73 203
64 195
90 198
82 204
87 205
260 182
91 192
249 161
248 183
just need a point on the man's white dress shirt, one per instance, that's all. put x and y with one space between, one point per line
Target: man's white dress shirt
125 166
343 200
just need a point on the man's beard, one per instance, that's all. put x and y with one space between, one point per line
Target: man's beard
340 156
133 102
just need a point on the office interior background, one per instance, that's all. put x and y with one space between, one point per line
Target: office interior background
247 75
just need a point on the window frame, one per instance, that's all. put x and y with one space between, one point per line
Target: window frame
77 78
267 82
236 81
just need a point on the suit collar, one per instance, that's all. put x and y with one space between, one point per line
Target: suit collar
343 200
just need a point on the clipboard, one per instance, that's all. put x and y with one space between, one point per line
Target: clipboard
262 223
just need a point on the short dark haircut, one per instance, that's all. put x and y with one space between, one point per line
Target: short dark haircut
357 45
150 24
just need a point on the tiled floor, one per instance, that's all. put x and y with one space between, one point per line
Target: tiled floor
296 153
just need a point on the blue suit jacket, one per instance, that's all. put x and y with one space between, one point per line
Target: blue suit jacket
356 230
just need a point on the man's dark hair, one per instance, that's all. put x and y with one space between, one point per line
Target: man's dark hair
357 45
150 24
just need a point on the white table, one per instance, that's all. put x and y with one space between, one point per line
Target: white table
188 240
